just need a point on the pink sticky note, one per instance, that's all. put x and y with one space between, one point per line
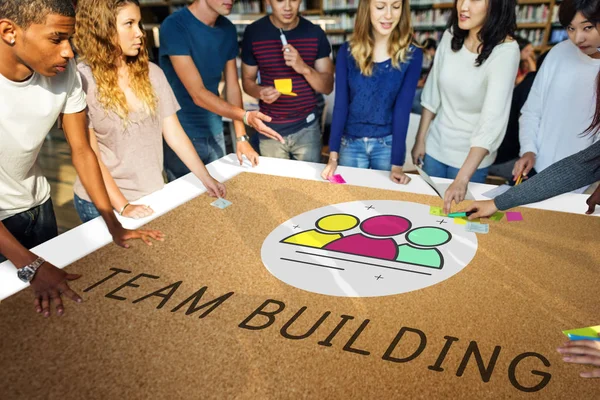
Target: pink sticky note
336 179
512 216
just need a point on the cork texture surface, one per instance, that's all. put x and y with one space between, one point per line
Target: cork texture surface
199 315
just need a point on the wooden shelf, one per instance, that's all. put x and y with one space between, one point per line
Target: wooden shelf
339 10
156 10
532 2
338 31
531 25
443 6
429 27
155 4
311 12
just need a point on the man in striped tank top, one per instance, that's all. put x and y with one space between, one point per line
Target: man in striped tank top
284 45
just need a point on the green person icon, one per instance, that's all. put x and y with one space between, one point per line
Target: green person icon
426 255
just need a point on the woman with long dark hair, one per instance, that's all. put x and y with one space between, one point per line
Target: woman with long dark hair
559 106
467 95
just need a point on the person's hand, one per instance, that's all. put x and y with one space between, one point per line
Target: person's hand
214 188
456 192
523 165
293 59
593 200
121 235
245 149
49 284
481 209
418 152
137 211
398 176
582 352
269 94
330 168
255 119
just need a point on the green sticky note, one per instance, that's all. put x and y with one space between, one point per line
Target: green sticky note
437 211
591 331
497 216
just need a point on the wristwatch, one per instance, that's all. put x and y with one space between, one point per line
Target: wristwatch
244 138
27 273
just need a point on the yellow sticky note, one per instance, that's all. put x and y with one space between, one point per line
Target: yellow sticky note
591 331
464 220
438 211
284 86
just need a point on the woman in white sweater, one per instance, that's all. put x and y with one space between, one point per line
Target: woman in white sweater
560 105
466 100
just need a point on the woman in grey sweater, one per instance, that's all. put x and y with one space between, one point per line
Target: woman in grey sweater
568 174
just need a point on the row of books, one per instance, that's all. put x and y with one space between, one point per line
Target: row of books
438 18
533 14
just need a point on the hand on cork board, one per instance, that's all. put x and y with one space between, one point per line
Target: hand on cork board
585 352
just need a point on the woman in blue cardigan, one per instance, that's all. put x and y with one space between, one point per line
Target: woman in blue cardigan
376 77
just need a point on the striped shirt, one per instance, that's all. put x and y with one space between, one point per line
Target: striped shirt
262 47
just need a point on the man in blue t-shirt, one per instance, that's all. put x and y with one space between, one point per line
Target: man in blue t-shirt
197 46
305 61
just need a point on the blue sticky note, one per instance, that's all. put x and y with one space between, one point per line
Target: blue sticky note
578 337
221 203
477 228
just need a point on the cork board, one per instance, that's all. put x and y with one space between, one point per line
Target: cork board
200 316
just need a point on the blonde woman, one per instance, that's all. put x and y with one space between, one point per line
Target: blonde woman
131 108
376 78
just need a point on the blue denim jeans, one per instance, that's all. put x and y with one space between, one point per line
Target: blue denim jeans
209 149
32 227
304 145
85 209
373 153
433 167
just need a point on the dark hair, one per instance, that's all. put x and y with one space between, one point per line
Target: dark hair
593 15
500 22
25 13
540 60
522 42
429 44
568 9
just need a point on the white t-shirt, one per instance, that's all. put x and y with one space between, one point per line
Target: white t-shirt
28 110
560 106
471 103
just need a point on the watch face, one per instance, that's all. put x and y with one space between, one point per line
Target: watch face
25 274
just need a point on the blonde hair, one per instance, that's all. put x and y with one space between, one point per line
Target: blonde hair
97 45
362 42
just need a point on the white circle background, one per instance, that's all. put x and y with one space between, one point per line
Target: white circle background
358 279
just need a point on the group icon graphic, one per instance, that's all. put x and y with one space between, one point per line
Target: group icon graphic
376 239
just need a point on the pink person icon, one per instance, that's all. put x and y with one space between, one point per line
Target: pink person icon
382 246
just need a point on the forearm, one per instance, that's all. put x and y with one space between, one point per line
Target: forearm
117 200
234 97
13 250
474 158
209 101
252 88
86 164
426 118
321 82
568 174
181 144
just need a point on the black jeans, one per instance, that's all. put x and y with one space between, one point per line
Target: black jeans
34 226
